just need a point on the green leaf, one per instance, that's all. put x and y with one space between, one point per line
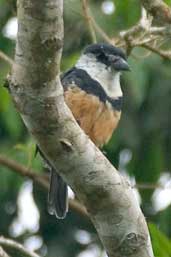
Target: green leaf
161 244
4 99
12 121
167 2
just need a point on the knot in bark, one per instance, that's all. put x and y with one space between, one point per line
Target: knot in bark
53 43
132 243
66 145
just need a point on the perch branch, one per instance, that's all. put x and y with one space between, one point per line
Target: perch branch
38 95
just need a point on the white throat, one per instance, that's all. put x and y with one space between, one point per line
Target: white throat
108 79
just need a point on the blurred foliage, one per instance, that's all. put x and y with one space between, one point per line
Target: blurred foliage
162 249
141 146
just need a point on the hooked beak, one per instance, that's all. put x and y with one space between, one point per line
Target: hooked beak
119 64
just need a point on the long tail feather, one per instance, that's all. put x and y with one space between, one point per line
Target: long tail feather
58 196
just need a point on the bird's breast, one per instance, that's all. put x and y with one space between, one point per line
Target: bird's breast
97 118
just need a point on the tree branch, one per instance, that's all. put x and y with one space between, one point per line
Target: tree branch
87 16
24 171
146 36
101 32
7 59
162 53
38 95
92 24
159 10
17 249
39 179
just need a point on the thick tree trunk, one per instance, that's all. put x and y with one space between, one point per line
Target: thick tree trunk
38 96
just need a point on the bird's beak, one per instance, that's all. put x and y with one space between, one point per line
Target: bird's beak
119 64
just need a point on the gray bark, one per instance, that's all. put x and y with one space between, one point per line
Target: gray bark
38 96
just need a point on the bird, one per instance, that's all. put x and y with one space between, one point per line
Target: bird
93 93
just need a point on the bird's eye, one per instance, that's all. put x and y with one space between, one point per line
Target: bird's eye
101 55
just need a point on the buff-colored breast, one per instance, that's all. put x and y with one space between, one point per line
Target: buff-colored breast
97 119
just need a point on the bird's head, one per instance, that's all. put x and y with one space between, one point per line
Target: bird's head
109 55
104 63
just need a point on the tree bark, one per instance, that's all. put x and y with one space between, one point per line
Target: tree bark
38 96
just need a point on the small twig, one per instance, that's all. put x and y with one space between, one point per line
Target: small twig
41 180
133 31
86 13
148 186
24 171
163 31
138 37
6 58
76 206
163 54
143 35
142 42
18 249
92 24
101 31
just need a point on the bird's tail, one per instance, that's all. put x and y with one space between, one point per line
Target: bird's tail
58 196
